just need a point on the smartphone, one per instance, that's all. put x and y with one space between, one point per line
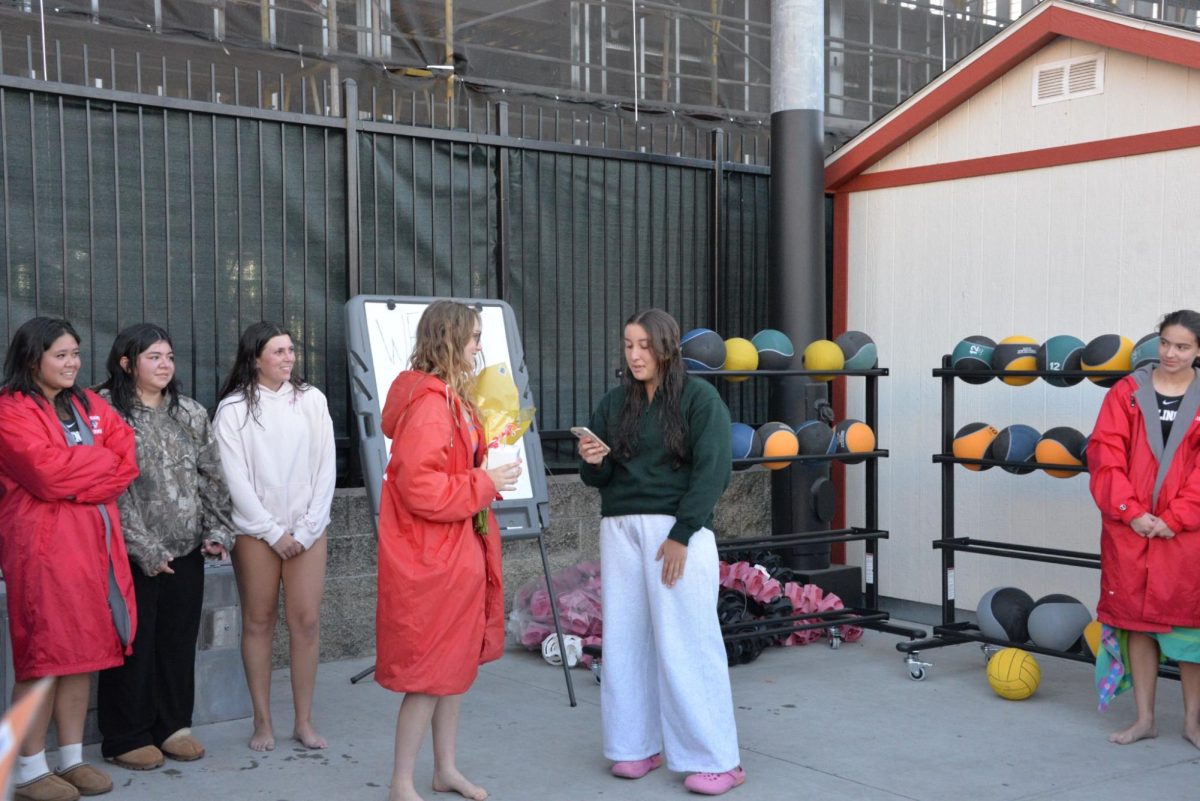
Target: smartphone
583 432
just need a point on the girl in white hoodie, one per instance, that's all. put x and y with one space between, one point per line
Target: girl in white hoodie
276 441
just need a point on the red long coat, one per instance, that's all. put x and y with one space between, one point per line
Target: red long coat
440 612
1145 584
52 547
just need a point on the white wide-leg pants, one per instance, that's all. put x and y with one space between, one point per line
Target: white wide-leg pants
665 679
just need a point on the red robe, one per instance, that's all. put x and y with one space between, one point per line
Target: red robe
440 613
52 543
1146 584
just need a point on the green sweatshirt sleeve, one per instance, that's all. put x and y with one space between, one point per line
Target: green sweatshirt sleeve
598 475
712 463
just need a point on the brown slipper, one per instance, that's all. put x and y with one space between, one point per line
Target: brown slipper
47 787
87 779
183 746
145 758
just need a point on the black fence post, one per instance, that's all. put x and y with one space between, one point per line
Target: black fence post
715 231
502 204
350 109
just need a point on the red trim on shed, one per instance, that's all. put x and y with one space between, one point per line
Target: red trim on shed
1006 50
1099 150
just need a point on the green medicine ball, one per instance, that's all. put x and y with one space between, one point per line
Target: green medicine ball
1057 354
859 350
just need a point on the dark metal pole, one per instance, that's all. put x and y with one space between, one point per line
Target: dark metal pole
350 98
796 278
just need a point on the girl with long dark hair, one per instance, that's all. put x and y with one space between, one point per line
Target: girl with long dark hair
1144 460
666 680
441 600
176 511
65 457
276 440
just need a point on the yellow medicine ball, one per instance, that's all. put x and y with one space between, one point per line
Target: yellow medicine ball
1014 674
740 354
823 355
1016 353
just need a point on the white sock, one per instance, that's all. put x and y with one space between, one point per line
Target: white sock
31 767
69 756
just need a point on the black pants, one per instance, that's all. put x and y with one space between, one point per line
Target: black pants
150 697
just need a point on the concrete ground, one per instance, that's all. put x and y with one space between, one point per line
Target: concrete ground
844 725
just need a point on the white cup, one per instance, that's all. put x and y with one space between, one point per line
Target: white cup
502 455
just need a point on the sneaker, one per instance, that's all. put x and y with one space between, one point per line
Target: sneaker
87 779
715 783
148 757
47 787
636 769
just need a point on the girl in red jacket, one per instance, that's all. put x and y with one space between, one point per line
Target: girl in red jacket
441 603
65 456
1144 459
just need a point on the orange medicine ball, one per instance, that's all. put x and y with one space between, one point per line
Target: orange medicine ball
1061 445
776 439
972 441
853 436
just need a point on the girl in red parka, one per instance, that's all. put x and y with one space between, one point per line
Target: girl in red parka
440 612
1144 459
65 456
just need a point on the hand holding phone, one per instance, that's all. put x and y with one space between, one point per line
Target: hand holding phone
592 449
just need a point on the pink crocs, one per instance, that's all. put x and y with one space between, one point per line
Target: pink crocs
638 768
715 783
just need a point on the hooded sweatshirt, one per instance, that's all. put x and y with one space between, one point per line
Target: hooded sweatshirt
279 463
440 611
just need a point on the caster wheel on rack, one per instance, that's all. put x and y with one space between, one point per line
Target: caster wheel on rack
835 637
988 652
916 668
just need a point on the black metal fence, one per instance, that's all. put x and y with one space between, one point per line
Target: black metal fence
119 208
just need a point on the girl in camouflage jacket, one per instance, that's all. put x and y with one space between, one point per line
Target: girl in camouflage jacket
176 511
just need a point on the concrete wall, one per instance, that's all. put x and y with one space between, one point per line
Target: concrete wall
348 609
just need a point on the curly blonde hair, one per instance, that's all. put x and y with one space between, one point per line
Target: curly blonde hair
442 335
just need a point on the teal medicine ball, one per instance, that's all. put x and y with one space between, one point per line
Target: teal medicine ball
1016 443
1145 351
775 350
859 350
703 349
973 353
1060 353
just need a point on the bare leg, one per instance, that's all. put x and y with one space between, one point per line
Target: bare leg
35 738
70 707
1189 673
258 569
1143 663
446 776
416 711
303 585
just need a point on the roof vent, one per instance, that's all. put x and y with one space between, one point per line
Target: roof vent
1067 80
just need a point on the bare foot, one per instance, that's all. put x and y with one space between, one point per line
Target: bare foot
408 793
263 738
1192 735
307 736
451 781
1138 731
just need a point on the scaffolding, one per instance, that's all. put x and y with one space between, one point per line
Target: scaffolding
652 75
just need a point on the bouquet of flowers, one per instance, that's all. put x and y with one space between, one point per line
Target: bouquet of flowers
504 421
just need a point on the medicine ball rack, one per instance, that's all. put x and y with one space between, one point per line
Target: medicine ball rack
868 615
956 632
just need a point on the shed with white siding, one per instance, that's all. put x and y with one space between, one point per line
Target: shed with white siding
1047 184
